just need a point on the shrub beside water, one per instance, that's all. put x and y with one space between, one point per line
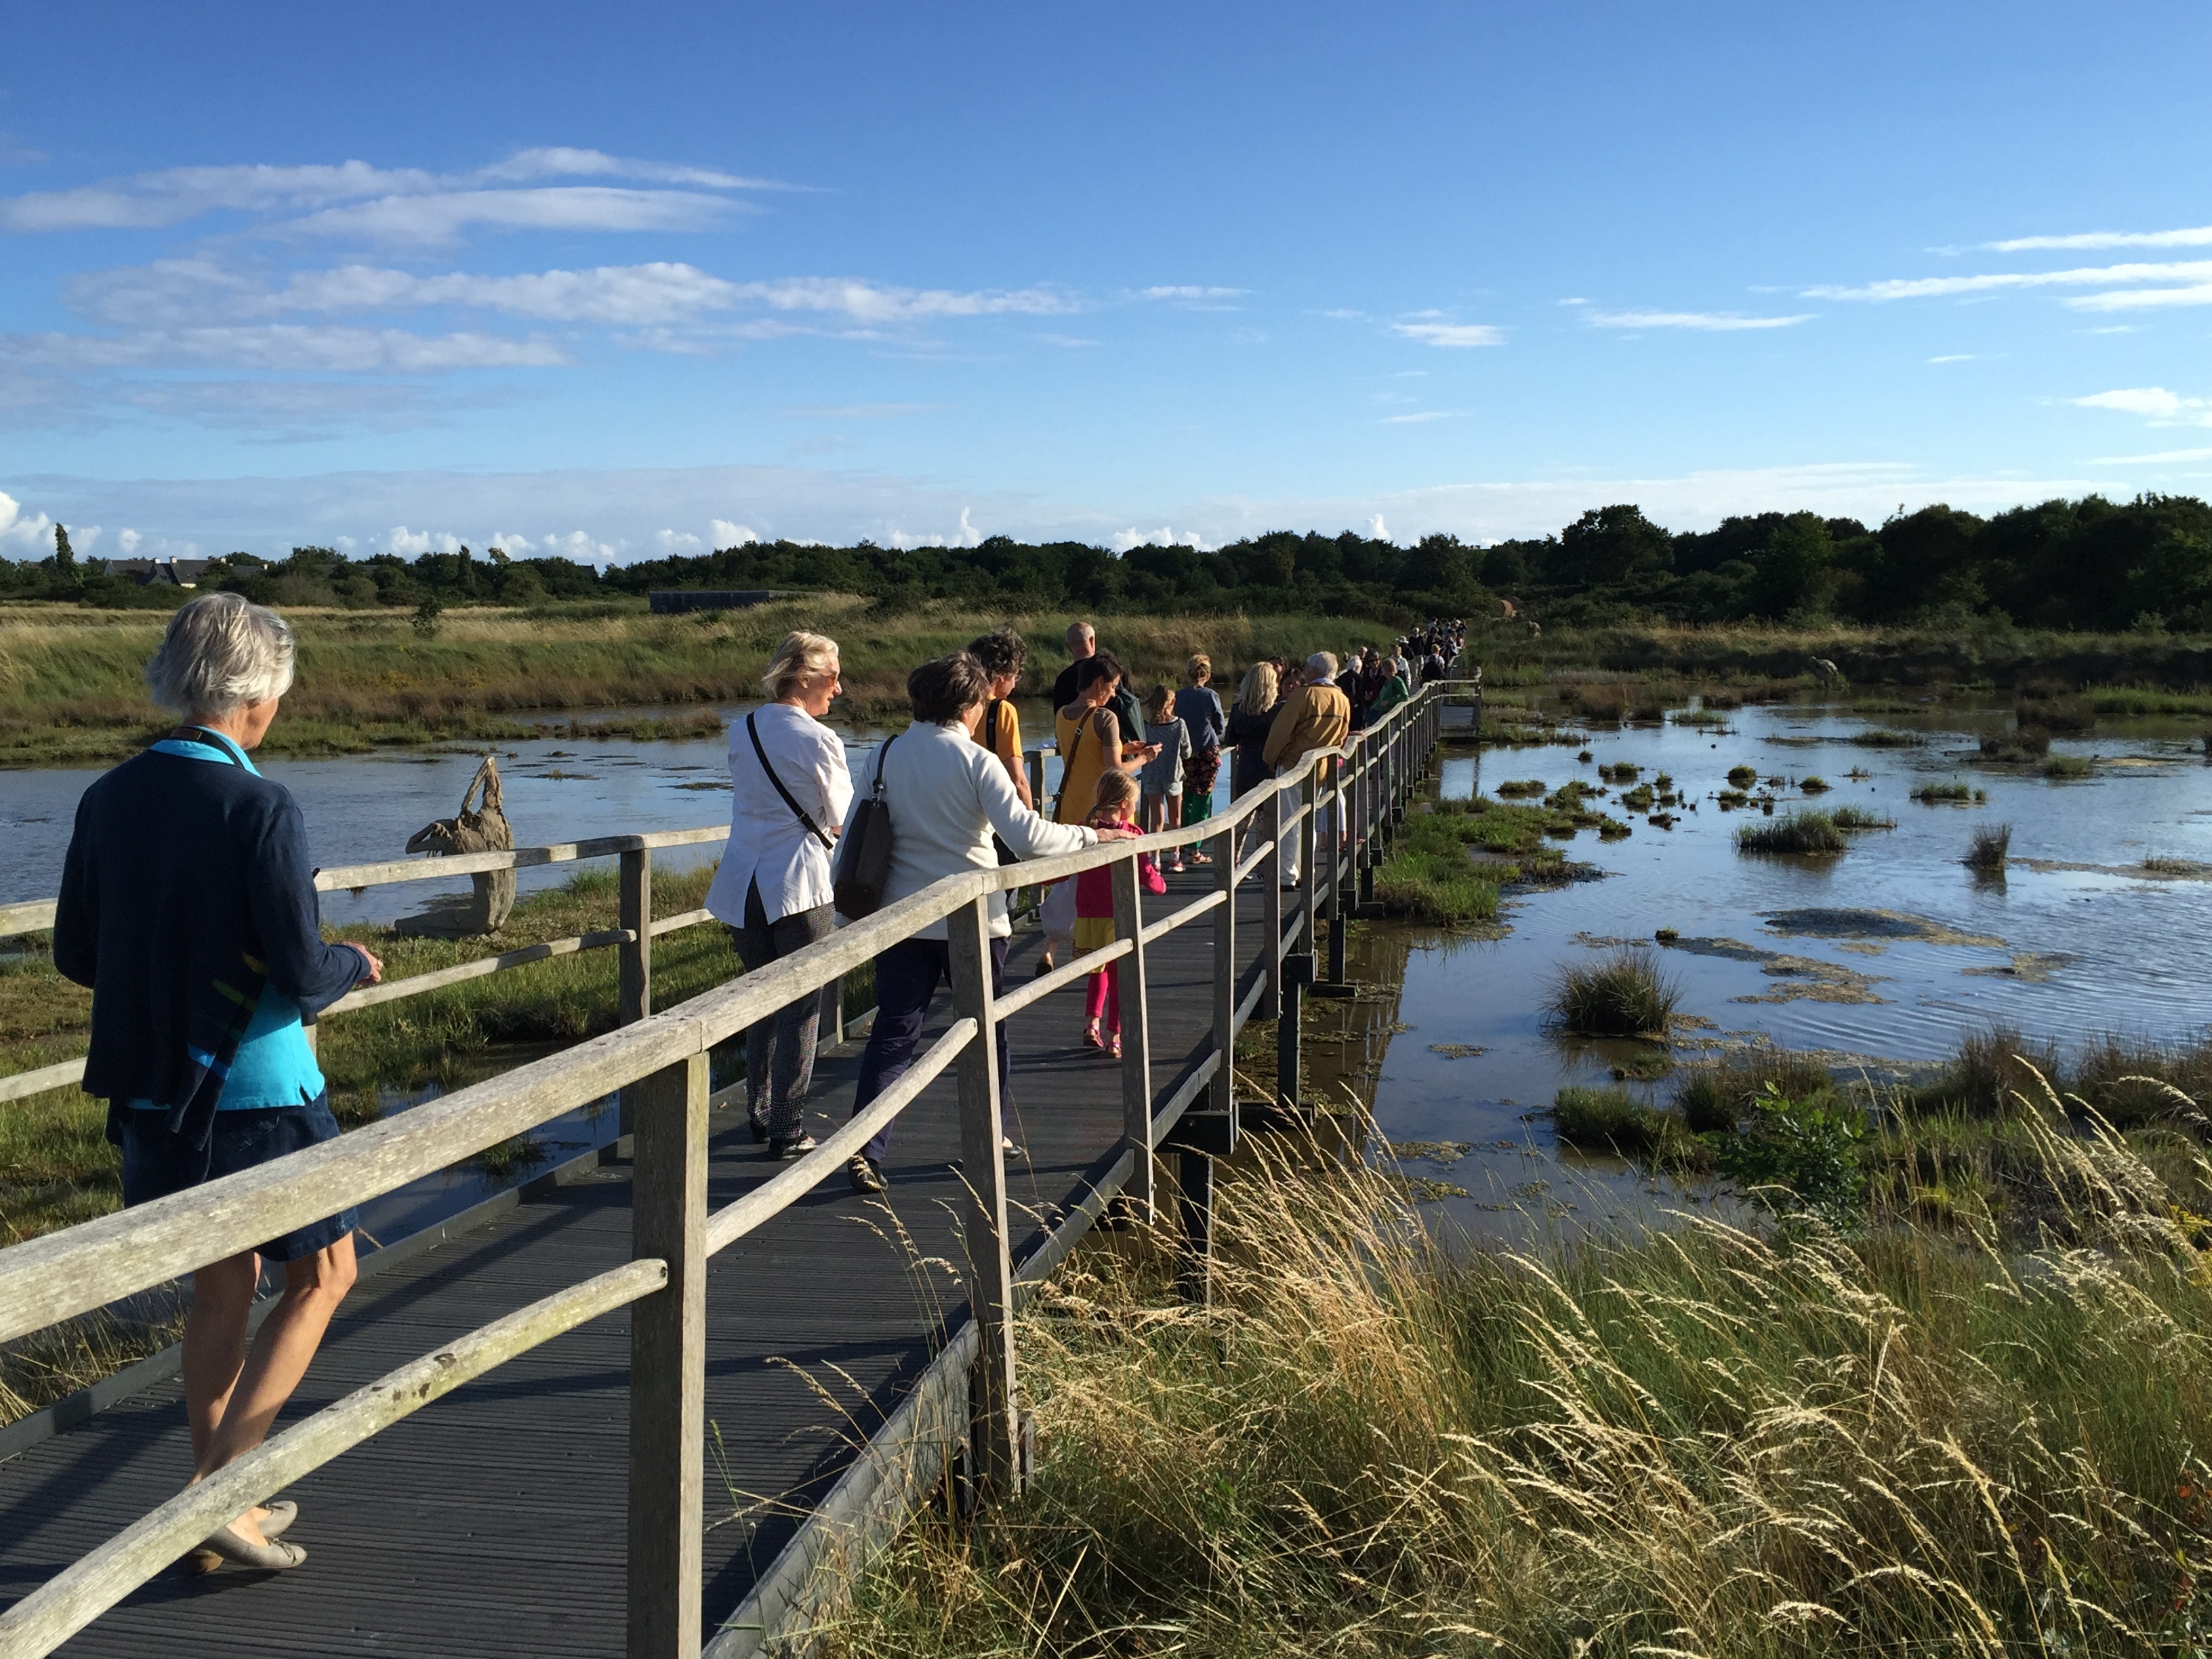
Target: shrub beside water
1808 833
1624 993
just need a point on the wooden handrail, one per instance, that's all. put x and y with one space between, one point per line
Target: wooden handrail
52 1278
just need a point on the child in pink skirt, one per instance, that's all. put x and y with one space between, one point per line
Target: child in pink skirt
1094 912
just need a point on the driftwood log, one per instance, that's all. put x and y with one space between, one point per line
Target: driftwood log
480 828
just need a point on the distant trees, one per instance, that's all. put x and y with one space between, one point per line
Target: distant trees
2090 564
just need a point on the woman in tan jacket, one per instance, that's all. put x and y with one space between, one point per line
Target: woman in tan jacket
1315 715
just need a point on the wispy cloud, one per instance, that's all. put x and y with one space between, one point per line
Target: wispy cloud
858 411
1702 322
2159 458
399 203
874 302
2198 236
288 347
1930 288
1452 336
2144 299
1190 296
1424 415
1956 357
2154 403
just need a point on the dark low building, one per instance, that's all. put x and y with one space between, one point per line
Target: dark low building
160 573
668 602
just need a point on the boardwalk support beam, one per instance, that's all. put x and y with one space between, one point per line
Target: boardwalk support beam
997 1435
668 1364
1136 1037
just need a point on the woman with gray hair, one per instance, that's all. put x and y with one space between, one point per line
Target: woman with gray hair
789 789
188 905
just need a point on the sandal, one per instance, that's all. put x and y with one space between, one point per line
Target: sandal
1090 1037
1114 1047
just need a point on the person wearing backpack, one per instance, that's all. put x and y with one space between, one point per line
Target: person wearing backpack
1003 654
947 796
789 792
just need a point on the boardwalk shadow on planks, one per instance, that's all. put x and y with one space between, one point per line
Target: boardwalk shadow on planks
496 1518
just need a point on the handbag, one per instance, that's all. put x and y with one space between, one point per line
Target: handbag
753 732
1007 854
864 851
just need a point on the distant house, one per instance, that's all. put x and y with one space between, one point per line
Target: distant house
160 573
668 602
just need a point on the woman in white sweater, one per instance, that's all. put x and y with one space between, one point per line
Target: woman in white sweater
789 790
947 795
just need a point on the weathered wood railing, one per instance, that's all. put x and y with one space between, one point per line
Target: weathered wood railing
1336 807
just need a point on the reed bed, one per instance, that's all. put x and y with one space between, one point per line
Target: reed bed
1901 1438
1860 817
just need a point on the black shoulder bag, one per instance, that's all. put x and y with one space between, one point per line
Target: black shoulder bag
864 851
814 828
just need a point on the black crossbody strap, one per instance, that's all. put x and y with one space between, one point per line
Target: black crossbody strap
814 828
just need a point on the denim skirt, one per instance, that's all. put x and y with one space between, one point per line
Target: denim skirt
157 1163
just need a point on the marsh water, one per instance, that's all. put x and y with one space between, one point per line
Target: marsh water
1880 958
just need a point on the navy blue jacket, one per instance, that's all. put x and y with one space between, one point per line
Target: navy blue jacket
187 888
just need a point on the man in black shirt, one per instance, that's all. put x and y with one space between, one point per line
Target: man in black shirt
1083 641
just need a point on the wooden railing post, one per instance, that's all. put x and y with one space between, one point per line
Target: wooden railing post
636 916
668 1362
1270 873
1371 831
1136 1036
1335 839
996 1431
1224 1090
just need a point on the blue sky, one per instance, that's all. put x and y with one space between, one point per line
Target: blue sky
615 282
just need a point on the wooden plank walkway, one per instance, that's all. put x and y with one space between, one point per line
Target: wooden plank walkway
493 1522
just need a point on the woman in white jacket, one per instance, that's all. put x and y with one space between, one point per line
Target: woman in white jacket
789 790
947 795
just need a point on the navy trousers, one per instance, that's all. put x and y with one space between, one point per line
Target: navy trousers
907 977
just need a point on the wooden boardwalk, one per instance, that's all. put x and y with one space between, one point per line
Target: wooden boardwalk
494 1522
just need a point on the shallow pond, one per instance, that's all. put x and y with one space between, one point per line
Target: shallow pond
1883 957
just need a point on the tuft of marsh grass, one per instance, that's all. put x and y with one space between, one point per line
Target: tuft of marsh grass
1950 791
1613 1120
1801 833
1884 736
1520 786
1623 993
1990 846
1742 777
1860 817
1780 1443
1815 785
2066 767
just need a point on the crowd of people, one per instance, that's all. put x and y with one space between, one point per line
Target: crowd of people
188 907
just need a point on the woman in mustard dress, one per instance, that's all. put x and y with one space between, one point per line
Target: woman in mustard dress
1090 743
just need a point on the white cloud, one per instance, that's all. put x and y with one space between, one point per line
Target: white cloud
510 545
1705 322
1165 536
726 534
1577 301
2161 458
1424 417
128 540
2154 403
1069 342
20 533
288 346
1929 287
873 302
413 544
1188 291
1376 530
670 543
173 195
2201 236
84 537
437 220
2140 299
1955 357
1451 335
580 546
969 536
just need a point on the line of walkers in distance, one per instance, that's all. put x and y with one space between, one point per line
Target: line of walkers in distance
187 905
958 797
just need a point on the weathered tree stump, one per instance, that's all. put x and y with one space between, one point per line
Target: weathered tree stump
483 829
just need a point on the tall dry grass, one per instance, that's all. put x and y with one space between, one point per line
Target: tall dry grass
1701 1442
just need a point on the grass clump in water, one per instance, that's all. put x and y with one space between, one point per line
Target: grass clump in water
1718 1097
1742 777
2065 767
1860 817
1802 833
1884 737
1521 787
1952 791
1613 1120
1764 1443
1622 995
1815 785
1990 846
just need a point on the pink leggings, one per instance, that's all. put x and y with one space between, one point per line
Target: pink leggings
1105 994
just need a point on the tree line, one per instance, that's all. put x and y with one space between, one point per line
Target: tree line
2091 564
